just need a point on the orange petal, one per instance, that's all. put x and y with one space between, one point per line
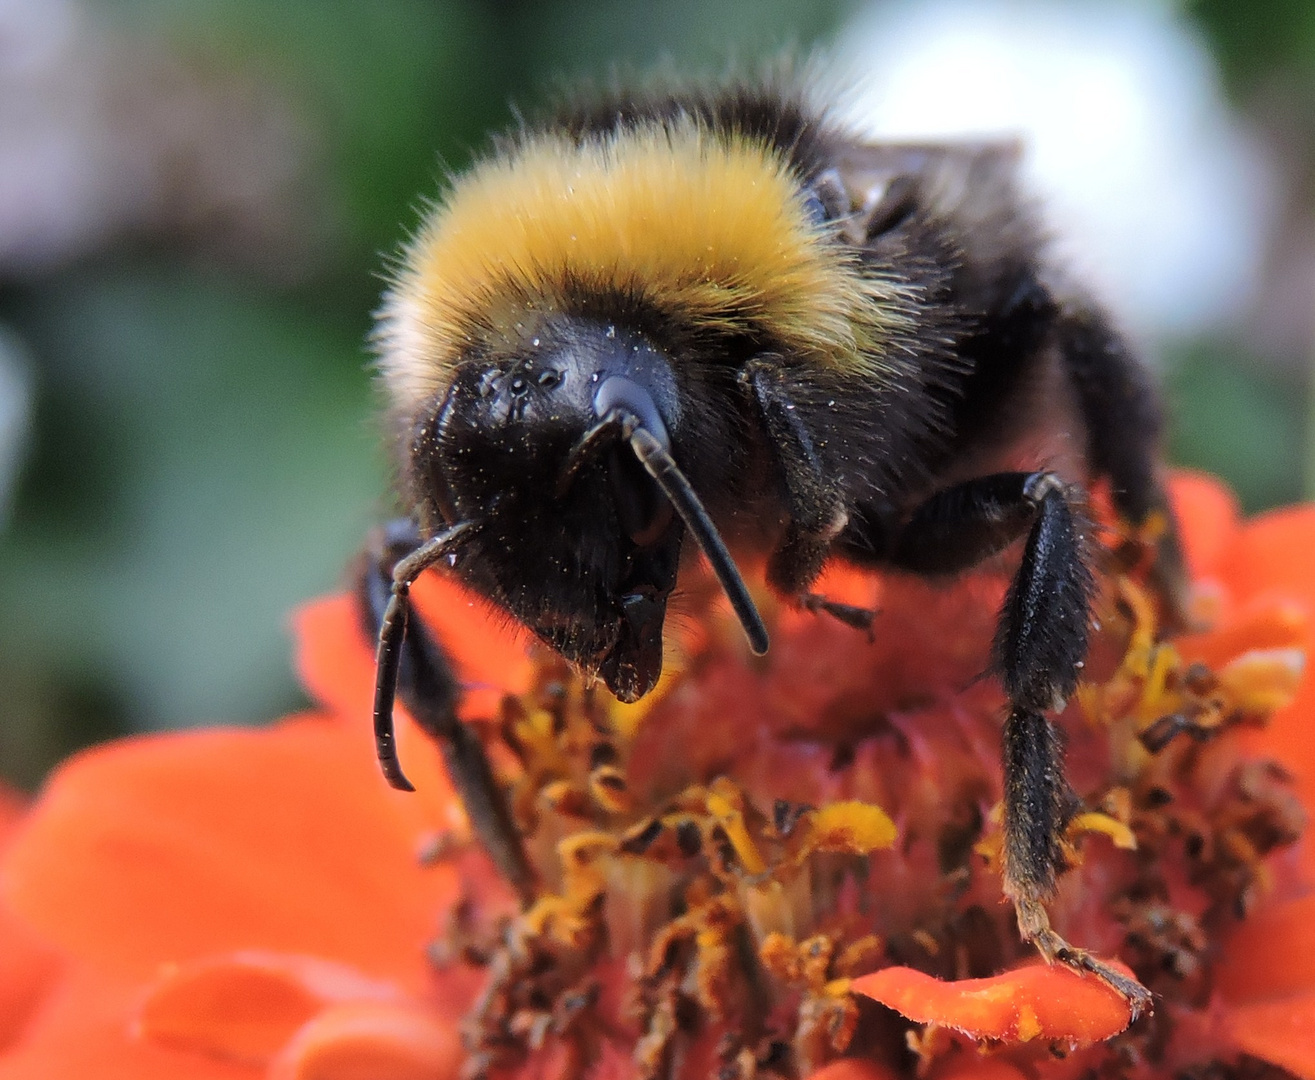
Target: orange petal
1038 1001
1271 954
246 1007
1279 624
853 1069
1271 555
368 1039
28 972
12 807
486 646
83 1032
1281 1032
962 1067
1208 515
333 658
170 848
1269 563
1289 737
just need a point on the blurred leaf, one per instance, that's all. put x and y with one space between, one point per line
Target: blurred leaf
571 38
1252 39
1240 420
391 85
243 472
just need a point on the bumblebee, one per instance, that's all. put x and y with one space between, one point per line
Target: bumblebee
716 321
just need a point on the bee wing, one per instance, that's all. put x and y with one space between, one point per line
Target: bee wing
879 185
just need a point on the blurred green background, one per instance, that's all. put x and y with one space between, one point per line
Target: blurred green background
196 200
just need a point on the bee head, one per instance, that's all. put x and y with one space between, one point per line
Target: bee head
560 453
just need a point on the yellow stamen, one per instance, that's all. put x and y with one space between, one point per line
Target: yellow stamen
1094 821
731 819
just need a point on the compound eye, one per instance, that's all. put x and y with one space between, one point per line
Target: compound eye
825 199
815 208
488 382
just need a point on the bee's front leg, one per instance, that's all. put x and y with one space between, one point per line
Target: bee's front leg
429 688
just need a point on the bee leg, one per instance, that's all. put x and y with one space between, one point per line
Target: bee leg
430 690
1124 425
860 618
817 511
962 526
1040 646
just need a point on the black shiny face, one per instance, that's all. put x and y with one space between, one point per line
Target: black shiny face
572 538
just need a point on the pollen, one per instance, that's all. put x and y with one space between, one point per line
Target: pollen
854 827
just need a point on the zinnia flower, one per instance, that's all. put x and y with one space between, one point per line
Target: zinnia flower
777 867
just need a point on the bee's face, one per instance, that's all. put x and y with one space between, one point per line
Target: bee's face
572 536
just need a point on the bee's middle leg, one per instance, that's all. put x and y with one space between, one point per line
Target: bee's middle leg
817 511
